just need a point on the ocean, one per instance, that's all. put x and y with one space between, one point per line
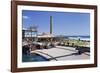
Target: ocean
85 38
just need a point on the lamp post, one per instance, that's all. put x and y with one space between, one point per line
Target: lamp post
51 27
50 24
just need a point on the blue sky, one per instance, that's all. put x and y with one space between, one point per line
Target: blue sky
64 23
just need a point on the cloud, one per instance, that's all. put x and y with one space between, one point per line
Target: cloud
25 17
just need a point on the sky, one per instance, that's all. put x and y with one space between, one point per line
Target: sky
64 23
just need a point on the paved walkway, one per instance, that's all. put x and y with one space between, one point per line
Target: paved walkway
61 53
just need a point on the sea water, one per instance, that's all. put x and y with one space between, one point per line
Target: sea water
85 38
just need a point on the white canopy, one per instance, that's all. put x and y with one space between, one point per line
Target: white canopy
45 36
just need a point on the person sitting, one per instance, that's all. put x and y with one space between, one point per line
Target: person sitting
25 49
38 46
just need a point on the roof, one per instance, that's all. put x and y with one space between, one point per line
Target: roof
45 36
